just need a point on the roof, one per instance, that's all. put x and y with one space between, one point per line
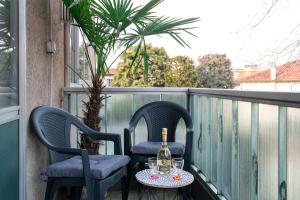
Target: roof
287 72
240 74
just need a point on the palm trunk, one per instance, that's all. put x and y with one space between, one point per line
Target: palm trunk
91 115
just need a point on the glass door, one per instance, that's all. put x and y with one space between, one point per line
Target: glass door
9 99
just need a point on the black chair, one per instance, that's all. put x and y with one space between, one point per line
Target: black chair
158 115
96 172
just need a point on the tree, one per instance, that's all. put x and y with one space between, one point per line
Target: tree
133 76
182 72
110 25
169 72
214 71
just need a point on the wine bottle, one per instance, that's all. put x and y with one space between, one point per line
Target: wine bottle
164 159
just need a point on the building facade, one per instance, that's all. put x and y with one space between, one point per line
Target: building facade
285 77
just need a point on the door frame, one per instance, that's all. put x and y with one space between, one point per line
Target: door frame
23 122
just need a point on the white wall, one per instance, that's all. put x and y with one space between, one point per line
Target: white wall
270 86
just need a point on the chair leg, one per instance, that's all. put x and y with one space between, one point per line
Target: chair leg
76 193
90 190
50 190
129 174
100 191
125 187
141 166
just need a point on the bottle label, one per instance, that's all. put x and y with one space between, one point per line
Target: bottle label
164 166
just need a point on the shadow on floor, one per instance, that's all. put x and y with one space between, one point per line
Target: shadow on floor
153 195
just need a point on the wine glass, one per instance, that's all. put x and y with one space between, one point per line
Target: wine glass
177 166
152 164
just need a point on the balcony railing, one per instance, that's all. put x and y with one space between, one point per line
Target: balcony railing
246 143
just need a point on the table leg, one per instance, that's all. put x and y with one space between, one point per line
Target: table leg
148 193
178 195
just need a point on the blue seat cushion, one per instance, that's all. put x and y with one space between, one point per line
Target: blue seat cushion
153 147
101 166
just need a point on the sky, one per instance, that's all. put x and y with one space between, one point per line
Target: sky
239 28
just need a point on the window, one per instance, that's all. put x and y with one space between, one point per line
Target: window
8 53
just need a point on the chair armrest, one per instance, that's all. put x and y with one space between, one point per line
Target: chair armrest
127 141
188 150
115 138
70 151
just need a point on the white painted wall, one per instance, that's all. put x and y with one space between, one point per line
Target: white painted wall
270 86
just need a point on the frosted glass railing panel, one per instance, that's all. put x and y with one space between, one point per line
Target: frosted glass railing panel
214 139
226 162
180 135
73 105
141 99
244 150
293 160
141 132
268 152
118 114
180 99
196 114
74 141
204 132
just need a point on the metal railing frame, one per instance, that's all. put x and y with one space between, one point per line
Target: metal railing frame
280 99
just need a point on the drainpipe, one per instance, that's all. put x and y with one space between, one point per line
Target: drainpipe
67 54
63 102
51 48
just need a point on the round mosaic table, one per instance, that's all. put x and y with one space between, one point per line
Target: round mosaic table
164 182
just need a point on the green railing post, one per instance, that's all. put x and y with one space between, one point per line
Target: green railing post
254 150
105 120
220 146
203 117
192 113
188 102
282 160
234 152
208 141
132 112
200 140
76 110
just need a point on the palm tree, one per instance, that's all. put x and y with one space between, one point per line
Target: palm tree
111 26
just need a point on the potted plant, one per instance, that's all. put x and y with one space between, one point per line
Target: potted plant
111 27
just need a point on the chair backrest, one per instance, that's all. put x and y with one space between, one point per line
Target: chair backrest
52 127
161 114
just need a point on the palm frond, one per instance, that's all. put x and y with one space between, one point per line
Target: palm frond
115 13
166 25
117 24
